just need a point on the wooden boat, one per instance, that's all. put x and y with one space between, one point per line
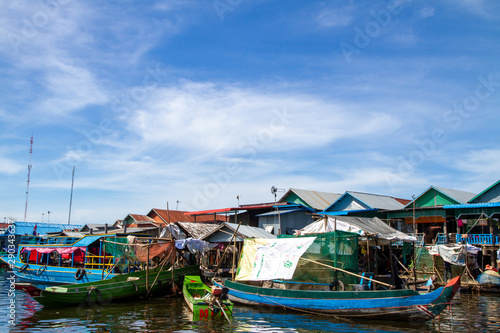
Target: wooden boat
153 282
59 260
302 268
408 305
69 260
203 301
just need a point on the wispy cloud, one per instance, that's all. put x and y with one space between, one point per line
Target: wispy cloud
211 118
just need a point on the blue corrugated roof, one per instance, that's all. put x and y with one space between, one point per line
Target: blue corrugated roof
87 240
478 205
26 228
346 212
281 212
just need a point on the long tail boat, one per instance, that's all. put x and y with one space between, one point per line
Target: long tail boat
292 274
405 305
153 282
203 301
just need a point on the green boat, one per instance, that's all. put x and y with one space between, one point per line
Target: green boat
206 302
152 282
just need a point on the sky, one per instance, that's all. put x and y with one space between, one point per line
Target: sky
189 104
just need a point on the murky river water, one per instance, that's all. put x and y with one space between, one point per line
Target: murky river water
471 313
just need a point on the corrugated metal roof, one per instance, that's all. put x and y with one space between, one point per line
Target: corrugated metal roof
316 199
346 212
460 196
244 231
141 218
26 228
377 201
281 212
87 240
198 230
250 232
477 205
489 188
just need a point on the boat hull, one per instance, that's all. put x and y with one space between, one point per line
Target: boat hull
41 274
198 298
406 305
120 287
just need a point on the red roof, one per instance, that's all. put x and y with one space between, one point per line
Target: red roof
140 218
241 207
182 216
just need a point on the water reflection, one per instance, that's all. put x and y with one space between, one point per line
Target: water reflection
471 313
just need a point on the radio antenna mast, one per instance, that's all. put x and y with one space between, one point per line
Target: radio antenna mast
28 186
71 196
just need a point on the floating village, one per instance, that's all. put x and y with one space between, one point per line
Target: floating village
349 255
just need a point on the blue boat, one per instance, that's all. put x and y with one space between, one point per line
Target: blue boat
303 274
405 305
66 260
489 277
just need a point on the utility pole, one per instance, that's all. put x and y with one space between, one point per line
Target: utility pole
28 186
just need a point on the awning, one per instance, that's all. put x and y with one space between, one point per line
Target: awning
360 225
87 240
60 250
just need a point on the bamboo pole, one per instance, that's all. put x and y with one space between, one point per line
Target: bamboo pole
225 250
350 273
157 275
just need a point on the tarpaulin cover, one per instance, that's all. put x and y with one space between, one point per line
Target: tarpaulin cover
267 259
454 254
329 251
194 245
61 250
360 225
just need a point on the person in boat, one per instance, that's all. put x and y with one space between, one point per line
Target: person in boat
489 267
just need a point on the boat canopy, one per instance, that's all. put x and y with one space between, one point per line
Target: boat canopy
360 225
87 240
60 250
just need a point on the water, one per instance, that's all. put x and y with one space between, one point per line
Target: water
471 313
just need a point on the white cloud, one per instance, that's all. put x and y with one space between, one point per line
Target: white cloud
335 17
426 12
221 119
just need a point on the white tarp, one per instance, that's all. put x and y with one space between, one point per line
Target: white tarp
360 225
268 259
454 254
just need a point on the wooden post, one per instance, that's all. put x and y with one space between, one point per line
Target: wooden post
368 253
414 268
103 258
335 258
393 267
234 248
147 272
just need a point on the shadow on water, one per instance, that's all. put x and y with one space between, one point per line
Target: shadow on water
471 313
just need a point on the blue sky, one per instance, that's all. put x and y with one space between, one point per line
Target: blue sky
200 101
